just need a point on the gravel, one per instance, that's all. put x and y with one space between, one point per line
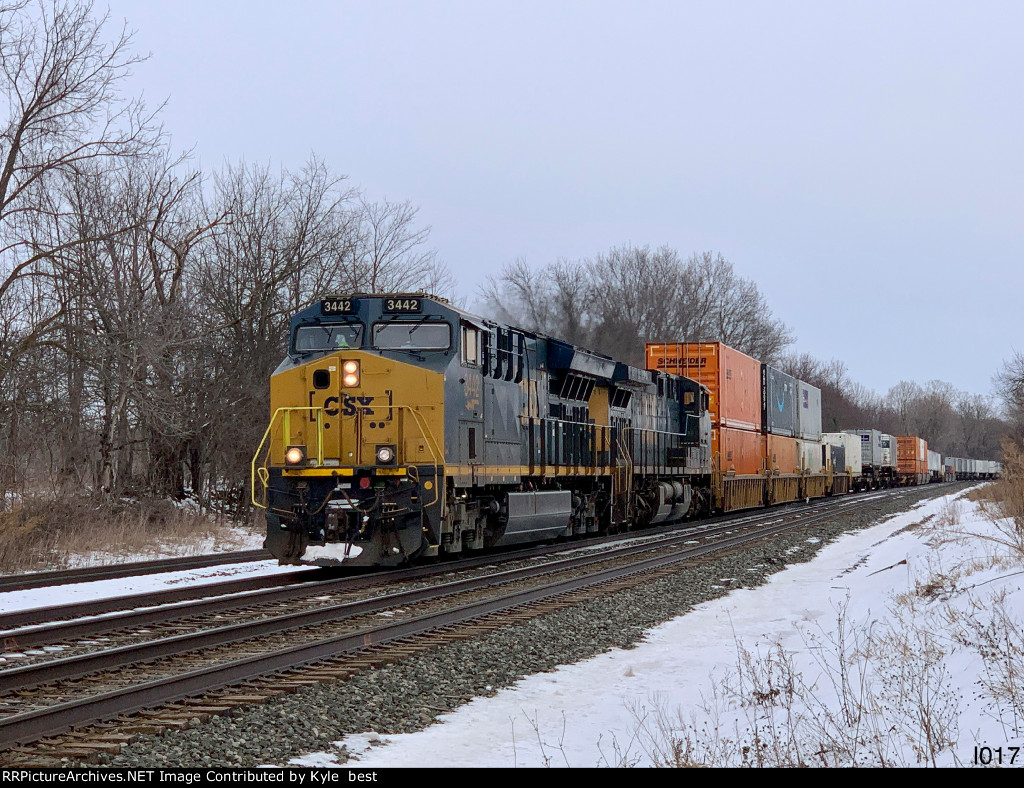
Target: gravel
406 696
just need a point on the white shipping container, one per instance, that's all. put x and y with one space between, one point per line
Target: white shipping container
934 461
889 450
810 456
854 449
809 405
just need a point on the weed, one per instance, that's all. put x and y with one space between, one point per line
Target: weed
47 531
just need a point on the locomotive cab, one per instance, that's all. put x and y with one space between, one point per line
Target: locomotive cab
350 463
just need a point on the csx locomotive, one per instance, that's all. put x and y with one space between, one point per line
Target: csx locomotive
403 427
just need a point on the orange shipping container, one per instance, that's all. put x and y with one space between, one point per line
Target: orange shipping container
782 454
911 454
733 378
739 451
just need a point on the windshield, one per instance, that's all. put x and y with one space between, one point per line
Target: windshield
328 337
412 336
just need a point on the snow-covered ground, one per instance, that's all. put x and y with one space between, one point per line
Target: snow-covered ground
870 653
11 601
222 539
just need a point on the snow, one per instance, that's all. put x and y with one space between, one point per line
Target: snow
11 601
225 539
913 593
338 553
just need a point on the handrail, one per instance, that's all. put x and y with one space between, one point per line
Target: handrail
286 422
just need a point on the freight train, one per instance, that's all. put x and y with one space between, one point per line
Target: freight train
403 427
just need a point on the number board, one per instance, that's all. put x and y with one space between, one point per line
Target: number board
402 306
338 306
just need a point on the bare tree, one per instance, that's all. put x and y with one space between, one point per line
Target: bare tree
60 79
980 429
901 399
731 309
390 254
631 295
1009 384
636 298
288 238
551 301
934 417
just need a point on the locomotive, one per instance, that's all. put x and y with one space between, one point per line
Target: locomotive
403 427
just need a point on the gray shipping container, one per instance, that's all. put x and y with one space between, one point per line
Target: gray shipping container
810 411
837 454
870 447
780 414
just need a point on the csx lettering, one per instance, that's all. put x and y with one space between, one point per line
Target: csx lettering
327 406
351 405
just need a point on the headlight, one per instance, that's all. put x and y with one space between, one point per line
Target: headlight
295 455
350 374
386 455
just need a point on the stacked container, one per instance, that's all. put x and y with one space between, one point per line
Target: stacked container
780 416
811 456
870 447
780 412
734 381
912 459
876 469
809 427
889 452
782 454
855 446
809 412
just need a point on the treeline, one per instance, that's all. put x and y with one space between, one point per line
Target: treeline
618 301
955 423
143 303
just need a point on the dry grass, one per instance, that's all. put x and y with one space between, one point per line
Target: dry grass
878 694
46 532
1007 491
1002 501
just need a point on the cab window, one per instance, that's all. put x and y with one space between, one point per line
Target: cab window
328 336
470 346
403 335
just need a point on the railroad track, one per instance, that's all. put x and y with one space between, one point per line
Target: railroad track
119 571
229 665
205 606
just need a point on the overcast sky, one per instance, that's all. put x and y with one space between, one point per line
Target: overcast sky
861 162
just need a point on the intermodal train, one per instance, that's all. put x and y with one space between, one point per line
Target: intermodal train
403 427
